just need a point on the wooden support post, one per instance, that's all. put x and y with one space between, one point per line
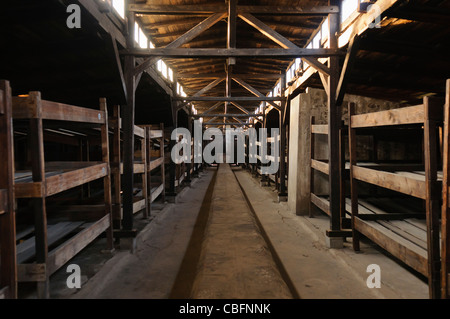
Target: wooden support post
334 122
282 195
189 162
148 172
107 178
145 183
353 181
128 130
8 261
432 108
311 178
117 208
40 213
445 219
163 169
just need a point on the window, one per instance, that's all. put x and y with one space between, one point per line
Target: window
143 40
170 75
119 6
347 8
316 40
164 69
325 31
136 32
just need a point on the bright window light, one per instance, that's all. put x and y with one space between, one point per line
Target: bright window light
164 69
325 31
170 75
143 40
152 46
136 32
119 6
297 63
347 8
159 65
316 40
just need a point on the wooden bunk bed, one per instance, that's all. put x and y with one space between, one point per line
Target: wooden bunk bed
48 242
321 201
409 235
8 263
445 217
155 165
141 199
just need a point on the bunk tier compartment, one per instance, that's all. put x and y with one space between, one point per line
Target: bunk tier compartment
140 197
8 264
410 236
48 239
445 223
320 198
156 167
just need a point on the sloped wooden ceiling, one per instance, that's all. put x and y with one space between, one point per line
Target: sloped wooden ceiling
196 73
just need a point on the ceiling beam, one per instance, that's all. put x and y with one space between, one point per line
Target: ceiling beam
267 31
230 99
209 9
267 76
225 53
254 91
188 36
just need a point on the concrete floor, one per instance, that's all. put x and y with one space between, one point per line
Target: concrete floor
214 242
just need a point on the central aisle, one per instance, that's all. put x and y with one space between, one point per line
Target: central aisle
235 261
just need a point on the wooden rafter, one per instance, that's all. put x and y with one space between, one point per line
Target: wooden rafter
188 36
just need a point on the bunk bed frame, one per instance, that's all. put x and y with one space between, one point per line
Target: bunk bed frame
445 217
140 200
155 159
320 165
409 239
8 263
51 178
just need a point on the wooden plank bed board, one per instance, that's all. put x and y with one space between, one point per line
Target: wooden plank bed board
321 203
155 162
25 108
404 115
58 181
138 204
26 250
156 134
406 251
155 192
395 182
320 166
66 251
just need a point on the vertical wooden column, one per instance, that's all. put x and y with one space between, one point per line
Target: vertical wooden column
8 261
353 181
117 207
128 129
148 173
145 183
189 160
107 178
282 195
312 147
334 122
39 207
445 218
433 114
163 170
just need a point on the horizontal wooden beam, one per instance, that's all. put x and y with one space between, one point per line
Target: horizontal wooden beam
209 9
264 76
227 115
225 53
227 123
395 182
229 99
404 115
